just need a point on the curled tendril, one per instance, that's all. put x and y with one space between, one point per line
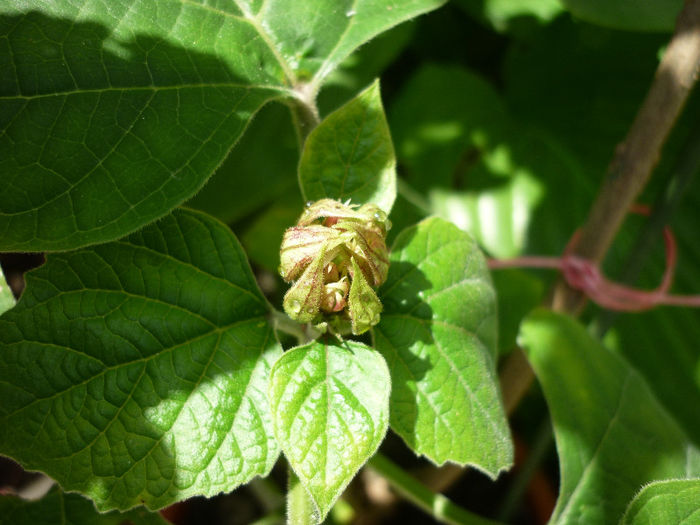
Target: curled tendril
335 256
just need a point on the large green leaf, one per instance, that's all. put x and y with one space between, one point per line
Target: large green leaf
438 335
136 371
330 404
111 117
612 435
350 155
649 15
68 509
665 503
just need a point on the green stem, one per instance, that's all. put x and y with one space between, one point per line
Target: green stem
300 509
305 115
437 505
638 154
413 196
283 323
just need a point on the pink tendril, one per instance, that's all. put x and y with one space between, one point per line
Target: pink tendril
585 276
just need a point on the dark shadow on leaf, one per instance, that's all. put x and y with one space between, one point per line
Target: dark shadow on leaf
101 134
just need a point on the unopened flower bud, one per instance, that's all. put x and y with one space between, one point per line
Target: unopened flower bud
335 256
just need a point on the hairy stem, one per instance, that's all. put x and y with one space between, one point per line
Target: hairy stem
437 505
304 111
300 509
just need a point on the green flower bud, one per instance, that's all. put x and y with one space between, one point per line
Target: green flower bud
335 256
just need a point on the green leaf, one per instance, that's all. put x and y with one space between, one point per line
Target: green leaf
438 335
112 117
650 15
68 509
363 304
7 298
136 371
612 435
350 155
665 503
583 85
330 406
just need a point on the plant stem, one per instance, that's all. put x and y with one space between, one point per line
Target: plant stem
300 509
637 155
629 172
304 111
283 323
413 196
437 505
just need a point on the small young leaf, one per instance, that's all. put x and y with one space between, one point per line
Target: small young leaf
68 509
136 371
350 155
612 435
330 406
665 503
363 303
438 335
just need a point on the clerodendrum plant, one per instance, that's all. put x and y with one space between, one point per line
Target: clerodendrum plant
142 365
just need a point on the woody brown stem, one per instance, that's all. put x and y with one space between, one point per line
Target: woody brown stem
636 157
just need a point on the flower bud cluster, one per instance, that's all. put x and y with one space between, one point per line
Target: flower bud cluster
335 256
